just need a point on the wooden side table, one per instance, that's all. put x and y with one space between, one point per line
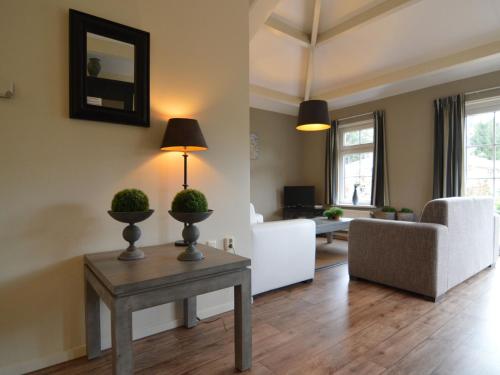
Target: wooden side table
158 279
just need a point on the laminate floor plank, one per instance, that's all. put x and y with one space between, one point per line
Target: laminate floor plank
335 326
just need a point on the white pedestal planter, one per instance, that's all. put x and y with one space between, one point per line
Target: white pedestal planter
384 215
406 216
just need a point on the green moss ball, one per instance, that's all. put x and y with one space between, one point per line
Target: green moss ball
190 200
130 200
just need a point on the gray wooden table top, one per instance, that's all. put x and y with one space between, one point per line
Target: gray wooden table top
325 225
160 267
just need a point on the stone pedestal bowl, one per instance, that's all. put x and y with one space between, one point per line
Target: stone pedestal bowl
191 233
132 232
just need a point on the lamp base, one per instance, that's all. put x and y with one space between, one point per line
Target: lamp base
181 243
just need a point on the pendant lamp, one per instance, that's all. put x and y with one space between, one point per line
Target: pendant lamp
313 116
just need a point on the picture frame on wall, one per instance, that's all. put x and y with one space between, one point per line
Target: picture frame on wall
109 71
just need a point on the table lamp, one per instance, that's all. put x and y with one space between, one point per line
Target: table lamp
183 135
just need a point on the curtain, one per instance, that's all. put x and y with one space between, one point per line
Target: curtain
380 189
331 164
448 146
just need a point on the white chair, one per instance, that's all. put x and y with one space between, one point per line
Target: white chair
283 252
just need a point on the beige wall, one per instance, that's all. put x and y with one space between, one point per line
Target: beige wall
58 175
410 137
279 162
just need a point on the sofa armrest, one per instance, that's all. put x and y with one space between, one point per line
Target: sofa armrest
283 253
410 256
496 238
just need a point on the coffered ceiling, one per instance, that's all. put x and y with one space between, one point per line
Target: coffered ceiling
352 51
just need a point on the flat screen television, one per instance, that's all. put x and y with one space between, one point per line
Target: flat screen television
298 196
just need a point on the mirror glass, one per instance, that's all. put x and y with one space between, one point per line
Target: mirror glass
110 73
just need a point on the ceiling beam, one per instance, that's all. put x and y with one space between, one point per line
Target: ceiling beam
275 95
382 9
310 57
414 71
281 28
259 12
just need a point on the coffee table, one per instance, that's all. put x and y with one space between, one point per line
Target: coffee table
324 225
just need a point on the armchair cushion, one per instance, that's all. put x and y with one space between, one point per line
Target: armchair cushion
255 218
400 254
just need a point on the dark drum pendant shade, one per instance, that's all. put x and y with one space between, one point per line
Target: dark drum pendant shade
183 134
313 116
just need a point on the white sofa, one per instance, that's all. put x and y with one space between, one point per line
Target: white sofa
283 252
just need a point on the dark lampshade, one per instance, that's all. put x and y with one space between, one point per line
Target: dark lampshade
183 134
313 116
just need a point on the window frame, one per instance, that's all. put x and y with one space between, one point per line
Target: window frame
476 107
344 150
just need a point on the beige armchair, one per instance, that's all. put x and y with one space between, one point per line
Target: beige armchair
453 242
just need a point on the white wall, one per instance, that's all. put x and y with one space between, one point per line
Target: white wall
279 162
58 175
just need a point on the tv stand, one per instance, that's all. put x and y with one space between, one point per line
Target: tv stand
301 212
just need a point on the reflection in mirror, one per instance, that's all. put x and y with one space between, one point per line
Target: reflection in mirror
110 73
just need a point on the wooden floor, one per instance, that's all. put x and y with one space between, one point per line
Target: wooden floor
330 254
333 326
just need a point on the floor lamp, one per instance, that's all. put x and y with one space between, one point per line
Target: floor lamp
183 135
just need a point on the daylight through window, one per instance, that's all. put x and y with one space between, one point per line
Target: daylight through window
482 148
355 161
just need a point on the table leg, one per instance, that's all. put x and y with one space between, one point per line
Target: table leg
329 237
190 312
243 323
92 322
121 338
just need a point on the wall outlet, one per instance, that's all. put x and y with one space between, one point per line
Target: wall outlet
229 243
212 243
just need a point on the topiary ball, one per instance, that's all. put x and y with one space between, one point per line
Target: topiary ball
130 200
189 200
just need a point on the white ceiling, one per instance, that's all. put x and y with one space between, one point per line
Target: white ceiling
380 48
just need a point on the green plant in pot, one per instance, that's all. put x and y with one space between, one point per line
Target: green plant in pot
189 207
334 213
406 214
130 206
387 213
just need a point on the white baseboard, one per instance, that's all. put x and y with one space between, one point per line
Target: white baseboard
73 353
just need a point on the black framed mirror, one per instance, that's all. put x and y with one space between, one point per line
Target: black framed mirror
109 71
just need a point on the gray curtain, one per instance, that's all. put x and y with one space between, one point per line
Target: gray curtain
448 146
380 190
331 164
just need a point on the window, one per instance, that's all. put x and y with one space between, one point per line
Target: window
482 148
355 161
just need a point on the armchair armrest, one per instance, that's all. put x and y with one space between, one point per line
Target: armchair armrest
410 256
283 253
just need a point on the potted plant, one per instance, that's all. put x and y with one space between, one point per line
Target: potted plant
387 213
406 214
189 207
334 213
130 206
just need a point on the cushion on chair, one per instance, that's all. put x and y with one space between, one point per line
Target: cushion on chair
255 218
